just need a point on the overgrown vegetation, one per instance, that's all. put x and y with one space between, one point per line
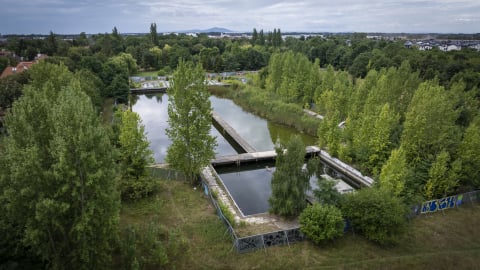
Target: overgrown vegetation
410 118
376 214
189 117
289 181
57 176
227 213
321 223
135 155
205 244
390 111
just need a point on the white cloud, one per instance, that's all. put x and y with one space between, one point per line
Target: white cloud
22 16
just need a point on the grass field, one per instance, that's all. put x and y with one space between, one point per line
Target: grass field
449 240
147 73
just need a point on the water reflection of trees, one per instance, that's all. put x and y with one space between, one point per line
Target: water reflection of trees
133 99
284 133
158 97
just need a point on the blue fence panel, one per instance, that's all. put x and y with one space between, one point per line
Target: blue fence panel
448 202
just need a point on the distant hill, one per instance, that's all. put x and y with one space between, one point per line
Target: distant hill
209 30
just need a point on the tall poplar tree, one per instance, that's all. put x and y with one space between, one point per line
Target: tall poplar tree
153 34
189 117
290 181
429 125
395 172
254 36
135 155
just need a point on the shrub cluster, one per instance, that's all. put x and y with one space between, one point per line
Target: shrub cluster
321 222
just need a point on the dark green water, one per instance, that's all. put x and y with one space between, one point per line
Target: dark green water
258 132
249 186
153 110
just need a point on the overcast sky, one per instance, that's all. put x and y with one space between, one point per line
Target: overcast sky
132 16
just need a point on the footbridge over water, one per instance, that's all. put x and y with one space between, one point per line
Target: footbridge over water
356 178
148 90
251 155
248 154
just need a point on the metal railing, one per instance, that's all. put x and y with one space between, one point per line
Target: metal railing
254 242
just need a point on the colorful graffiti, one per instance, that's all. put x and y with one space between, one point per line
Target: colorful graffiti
441 204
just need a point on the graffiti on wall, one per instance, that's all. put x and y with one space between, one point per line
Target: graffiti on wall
441 204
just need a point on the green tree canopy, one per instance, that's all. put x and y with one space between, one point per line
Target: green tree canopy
321 223
376 214
58 176
290 181
429 123
189 116
135 155
395 172
469 155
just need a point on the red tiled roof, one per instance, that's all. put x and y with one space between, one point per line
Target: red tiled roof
21 67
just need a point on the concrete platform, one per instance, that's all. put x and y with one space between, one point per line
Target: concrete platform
226 129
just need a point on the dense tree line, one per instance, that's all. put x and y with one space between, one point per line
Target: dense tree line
408 132
410 118
353 53
374 89
57 168
63 172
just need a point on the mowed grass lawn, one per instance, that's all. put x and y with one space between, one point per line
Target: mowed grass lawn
449 240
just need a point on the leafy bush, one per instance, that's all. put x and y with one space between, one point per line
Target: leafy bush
378 215
165 71
321 222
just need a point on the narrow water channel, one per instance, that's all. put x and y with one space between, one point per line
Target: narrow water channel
153 110
258 132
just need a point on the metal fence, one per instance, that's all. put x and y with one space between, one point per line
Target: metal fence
166 173
454 201
255 242
282 237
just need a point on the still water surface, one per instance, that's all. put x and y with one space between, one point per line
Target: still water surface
250 186
258 132
153 110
